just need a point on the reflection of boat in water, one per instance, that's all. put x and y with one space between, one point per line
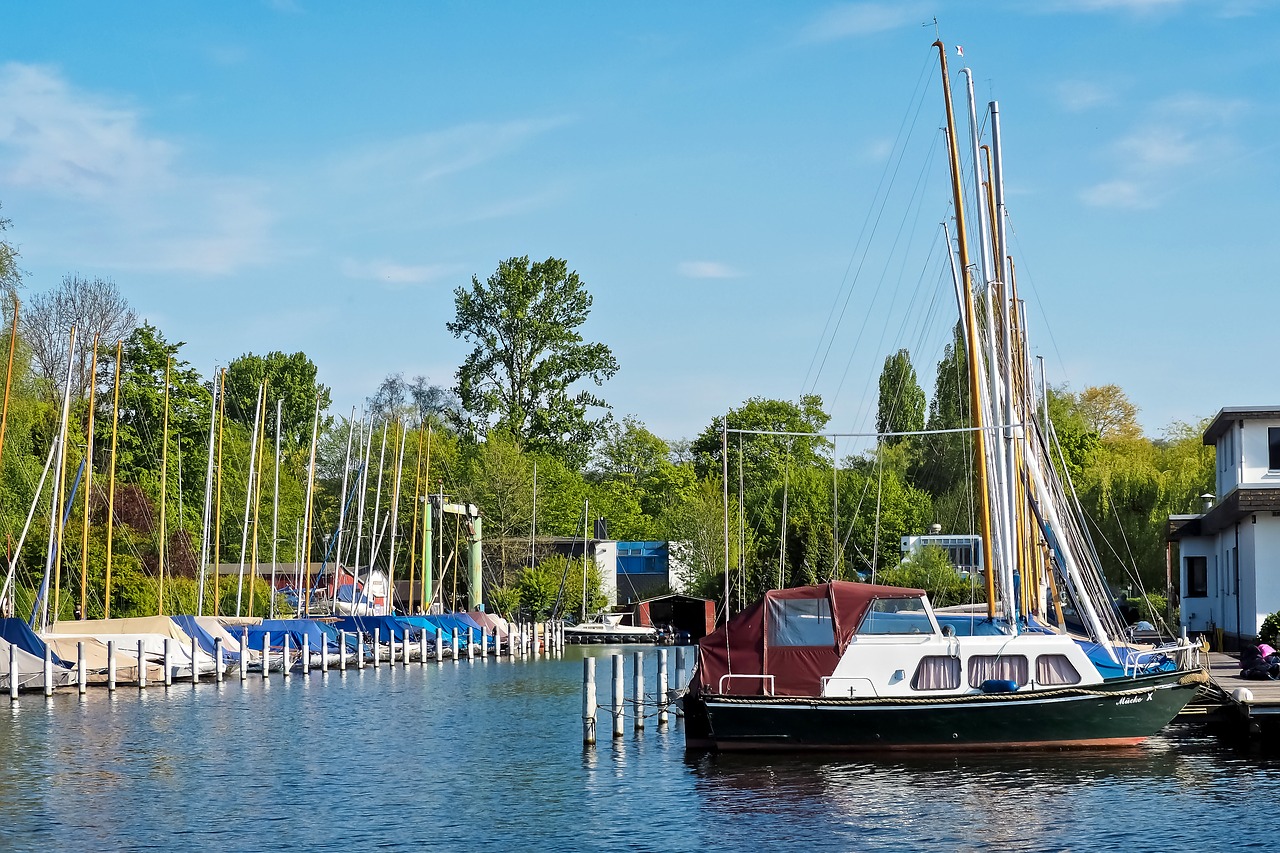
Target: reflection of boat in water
857 666
609 628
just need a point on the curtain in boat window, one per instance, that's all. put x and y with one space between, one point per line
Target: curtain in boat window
800 622
936 672
1003 667
1055 669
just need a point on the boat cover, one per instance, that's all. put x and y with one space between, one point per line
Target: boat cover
19 633
796 635
491 623
192 628
295 629
385 625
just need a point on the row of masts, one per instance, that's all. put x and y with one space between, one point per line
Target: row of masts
1029 525
47 605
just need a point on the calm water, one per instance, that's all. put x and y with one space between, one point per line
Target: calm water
488 755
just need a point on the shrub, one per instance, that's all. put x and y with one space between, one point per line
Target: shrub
1270 632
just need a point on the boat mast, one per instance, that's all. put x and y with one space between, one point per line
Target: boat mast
55 514
248 502
111 483
364 491
164 477
342 503
306 514
208 501
88 483
275 513
426 594
217 497
586 511
254 574
971 335
413 528
395 518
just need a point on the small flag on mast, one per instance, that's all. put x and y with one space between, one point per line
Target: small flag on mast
959 50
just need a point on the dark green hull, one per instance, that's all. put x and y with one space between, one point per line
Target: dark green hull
1122 712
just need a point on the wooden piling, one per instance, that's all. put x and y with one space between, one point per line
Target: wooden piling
589 701
471 645
422 647
360 650
13 673
82 671
306 654
617 696
662 688
455 645
439 647
111 666
324 657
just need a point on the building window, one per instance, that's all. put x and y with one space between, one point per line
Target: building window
1273 448
1197 576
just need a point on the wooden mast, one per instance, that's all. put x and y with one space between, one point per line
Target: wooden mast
88 484
111 483
971 338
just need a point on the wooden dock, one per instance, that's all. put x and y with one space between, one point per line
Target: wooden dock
1251 708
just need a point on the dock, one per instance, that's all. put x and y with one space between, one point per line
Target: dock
1247 707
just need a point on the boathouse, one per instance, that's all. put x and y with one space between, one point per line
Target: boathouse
1228 557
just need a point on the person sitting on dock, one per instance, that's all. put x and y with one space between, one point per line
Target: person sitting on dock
1259 662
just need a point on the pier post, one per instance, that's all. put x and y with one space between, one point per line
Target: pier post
637 689
217 660
168 662
324 656
455 645
360 650
439 647
377 646
306 654
617 696
662 688
471 645
391 644
195 670
244 654
680 666
48 670
405 642
13 673
589 701
422 647
342 651
284 657
266 654
82 672
111 666
142 668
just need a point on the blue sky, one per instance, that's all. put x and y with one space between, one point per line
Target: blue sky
321 176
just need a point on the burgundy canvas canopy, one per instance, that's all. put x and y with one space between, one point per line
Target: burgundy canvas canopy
796 635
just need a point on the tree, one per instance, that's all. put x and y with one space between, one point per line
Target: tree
902 401
944 461
430 403
10 275
291 378
1108 412
528 356
95 307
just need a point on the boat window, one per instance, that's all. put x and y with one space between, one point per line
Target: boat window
1056 669
896 616
1000 667
937 672
800 622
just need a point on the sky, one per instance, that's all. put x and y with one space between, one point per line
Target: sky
752 192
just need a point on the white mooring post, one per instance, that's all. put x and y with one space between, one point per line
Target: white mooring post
680 666
662 688
284 657
377 646
391 644
82 671
439 647
484 644
405 642
342 651
471 645
168 662
111 666
195 670
360 650
244 654
48 670
217 660
455 645
617 696
142 668
13 673
324 656
306 654
637 690
589 701
266 654
422 647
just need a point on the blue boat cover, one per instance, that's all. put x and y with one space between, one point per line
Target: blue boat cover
295 629
192 628
19 633
385 625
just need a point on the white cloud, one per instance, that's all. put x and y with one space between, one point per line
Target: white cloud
1136 7
122 196
706 269
1078 95
851 20
398 274
1118 193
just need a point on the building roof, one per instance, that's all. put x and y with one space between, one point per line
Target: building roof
1222 421
1242 501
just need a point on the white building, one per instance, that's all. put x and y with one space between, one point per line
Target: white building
1229 555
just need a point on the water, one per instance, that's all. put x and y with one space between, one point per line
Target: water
489 755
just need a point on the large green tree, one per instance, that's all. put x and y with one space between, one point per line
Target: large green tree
902 402
291 377
528 358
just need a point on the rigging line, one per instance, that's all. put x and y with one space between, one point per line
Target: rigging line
847 286
833 435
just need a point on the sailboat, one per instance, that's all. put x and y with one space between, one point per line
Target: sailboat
859 666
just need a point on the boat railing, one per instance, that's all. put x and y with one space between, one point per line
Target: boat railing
1185 655
767 679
